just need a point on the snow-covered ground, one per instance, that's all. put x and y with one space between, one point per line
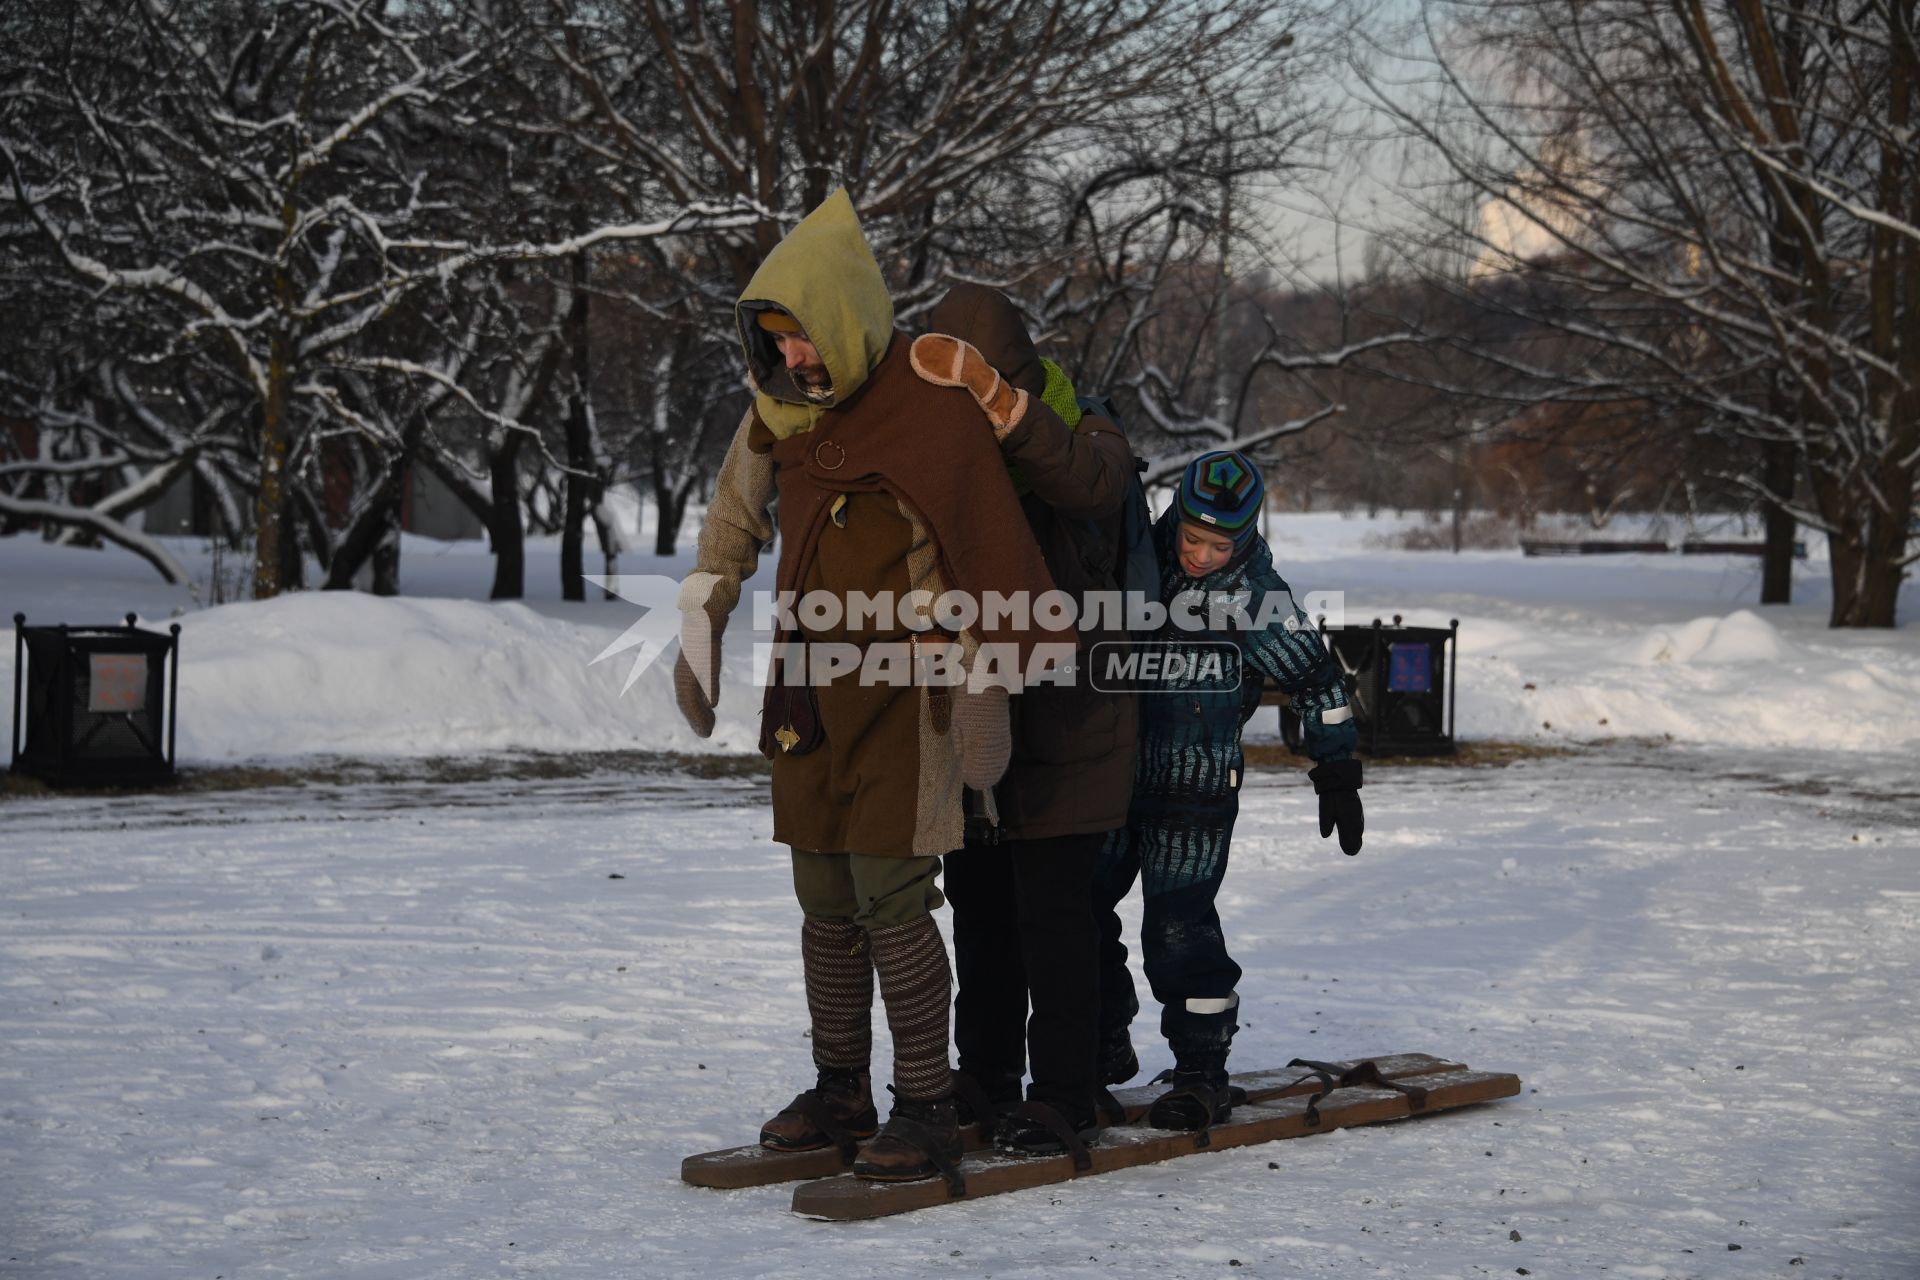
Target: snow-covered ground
411 1030
416 1032
1556 650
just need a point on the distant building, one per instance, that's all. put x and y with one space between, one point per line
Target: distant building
1535 218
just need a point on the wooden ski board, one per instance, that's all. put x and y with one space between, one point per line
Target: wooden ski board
755 1166
846 1198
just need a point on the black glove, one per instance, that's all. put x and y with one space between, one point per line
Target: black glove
1338 786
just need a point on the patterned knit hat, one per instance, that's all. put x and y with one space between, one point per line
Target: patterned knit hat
1223 492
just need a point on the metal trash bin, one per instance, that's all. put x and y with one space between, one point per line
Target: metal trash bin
98 702
1400 682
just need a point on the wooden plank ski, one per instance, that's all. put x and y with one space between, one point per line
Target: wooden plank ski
847 1198
755 1166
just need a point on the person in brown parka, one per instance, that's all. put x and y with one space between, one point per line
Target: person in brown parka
887 483
1025 936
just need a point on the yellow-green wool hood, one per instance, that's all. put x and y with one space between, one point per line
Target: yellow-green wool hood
823 275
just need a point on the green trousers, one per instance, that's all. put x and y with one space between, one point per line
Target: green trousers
874 892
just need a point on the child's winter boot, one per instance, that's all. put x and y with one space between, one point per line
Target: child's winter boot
1200 1096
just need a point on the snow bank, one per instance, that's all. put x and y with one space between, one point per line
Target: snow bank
1566 649
1738 637
343 673
339 673
1731 679
1591 647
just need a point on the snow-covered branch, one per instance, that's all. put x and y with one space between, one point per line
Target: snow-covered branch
100 524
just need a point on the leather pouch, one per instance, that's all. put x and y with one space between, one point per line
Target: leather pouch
790 721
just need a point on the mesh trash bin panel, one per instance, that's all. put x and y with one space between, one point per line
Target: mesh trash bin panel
94 704
1399 681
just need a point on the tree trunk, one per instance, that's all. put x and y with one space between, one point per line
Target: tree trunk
1776 562
292 574
1867 539
573 535
358 545
1864 556
504 525
1223 295
374 535
386 555
373 539
1880 594
1889 530
672 508
1462 472
580 461
609 535
1847 564
361 539
270 497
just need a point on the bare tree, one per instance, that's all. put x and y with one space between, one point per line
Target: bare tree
500 239
1730 195
266 208
1082 154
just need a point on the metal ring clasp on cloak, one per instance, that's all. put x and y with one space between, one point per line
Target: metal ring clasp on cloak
820 455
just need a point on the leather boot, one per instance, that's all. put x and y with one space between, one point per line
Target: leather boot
837 1111
921 1140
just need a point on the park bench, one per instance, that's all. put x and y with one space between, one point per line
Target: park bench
1591 547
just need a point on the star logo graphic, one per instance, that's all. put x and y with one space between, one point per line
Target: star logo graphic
655 631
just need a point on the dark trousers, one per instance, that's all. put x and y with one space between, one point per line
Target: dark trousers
1024 939
1179 855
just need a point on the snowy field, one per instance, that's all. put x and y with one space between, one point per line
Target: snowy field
412 1030
418 1032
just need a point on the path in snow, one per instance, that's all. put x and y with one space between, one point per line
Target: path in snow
416 1032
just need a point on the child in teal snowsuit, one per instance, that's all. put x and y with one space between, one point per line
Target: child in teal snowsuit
1187 789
